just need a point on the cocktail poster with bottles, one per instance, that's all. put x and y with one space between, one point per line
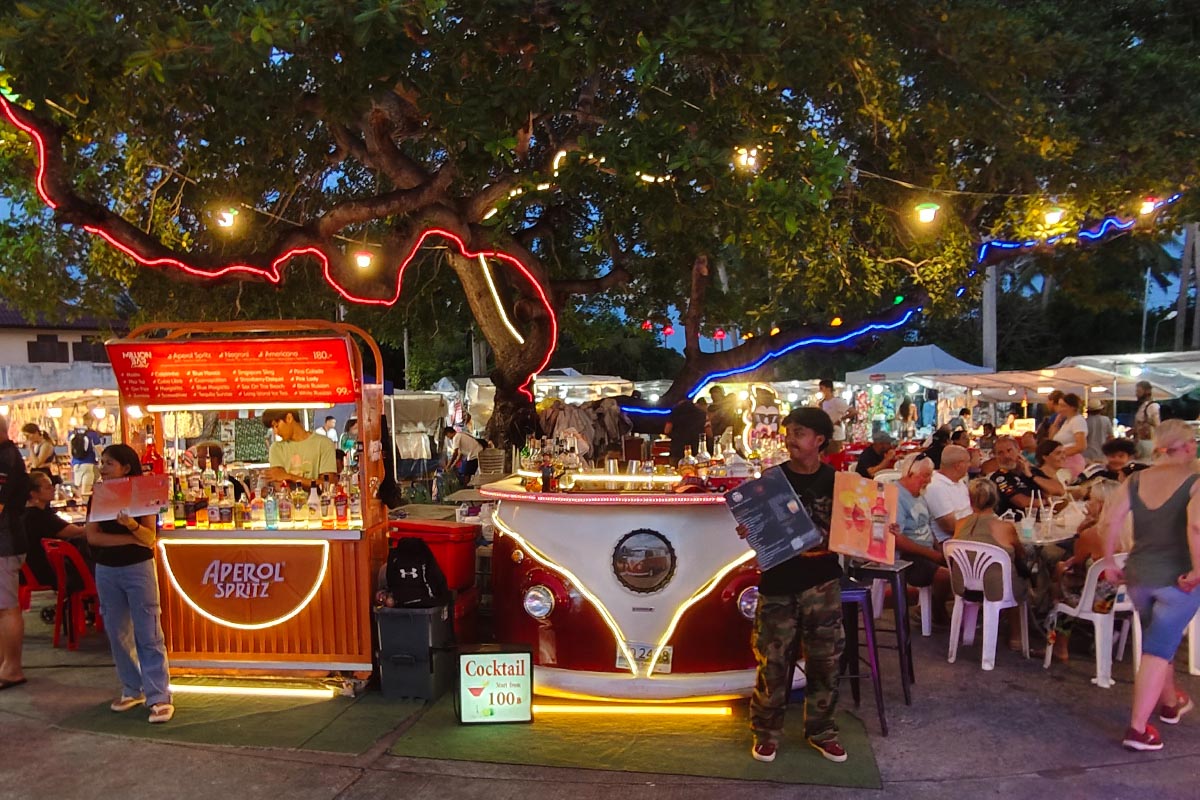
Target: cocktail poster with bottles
863 510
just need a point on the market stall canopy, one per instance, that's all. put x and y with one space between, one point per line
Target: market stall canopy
1016 385
925 361
1175 373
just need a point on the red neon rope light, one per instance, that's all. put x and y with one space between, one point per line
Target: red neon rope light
274 275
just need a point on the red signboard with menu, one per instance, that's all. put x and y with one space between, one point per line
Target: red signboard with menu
242 372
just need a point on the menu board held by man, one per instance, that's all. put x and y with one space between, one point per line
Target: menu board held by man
777 525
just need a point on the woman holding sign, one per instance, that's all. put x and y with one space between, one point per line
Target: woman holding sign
123 549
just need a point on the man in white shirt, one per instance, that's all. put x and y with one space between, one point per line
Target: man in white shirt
329 429
462 453
946 495
839 412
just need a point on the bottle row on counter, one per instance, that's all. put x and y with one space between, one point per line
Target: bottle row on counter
208 501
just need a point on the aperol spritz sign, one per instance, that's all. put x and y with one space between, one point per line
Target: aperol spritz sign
249 372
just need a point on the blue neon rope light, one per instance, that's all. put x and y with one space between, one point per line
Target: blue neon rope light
1106 226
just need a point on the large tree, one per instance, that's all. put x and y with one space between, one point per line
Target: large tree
748 162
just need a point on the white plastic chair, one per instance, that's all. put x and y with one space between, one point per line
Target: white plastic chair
924 601
973 560
1103 623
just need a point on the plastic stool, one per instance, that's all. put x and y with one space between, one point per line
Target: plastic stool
855 596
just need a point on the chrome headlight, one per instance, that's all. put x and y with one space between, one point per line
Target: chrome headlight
748 601
539 602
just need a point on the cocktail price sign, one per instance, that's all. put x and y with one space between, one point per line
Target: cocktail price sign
495 684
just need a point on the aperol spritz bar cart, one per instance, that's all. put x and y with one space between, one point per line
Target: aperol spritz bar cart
254 578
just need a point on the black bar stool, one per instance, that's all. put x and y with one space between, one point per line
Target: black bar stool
856 596
894 575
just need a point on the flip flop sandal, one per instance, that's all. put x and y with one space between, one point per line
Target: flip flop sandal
10 684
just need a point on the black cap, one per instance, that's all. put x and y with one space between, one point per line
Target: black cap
814 419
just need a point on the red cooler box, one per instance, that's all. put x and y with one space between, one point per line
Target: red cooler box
452 543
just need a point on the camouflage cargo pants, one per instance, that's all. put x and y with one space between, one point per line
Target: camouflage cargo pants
809 623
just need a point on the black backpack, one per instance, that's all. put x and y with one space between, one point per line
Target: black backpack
81 445
413 576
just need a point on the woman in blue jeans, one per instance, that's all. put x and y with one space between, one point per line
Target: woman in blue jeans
128 586
1162 573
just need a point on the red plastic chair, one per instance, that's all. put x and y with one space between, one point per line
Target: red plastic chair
72 603
28 586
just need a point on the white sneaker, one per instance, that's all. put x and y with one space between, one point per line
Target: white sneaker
161 712
124 703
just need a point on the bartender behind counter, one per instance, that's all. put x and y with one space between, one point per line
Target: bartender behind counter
302 457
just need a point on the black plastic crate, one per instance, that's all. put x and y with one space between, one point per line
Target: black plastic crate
404 675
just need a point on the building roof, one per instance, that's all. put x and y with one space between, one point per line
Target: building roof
64 320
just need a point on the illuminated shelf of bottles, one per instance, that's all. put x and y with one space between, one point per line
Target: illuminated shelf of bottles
322 534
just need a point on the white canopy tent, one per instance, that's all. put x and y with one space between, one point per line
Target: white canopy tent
1031 385
912 362
1171 374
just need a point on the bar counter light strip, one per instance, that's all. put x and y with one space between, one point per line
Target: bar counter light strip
257 626
646 710
618 634
558 498
323 693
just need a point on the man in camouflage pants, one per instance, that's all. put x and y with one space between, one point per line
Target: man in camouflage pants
800 607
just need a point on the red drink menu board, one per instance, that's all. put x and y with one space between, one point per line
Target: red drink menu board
234 371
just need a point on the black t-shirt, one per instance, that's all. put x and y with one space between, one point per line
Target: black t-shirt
816 566
868 459
121 555
41 523
1012 483
14 491
687 426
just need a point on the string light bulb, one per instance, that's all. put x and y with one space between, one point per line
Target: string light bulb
1053 215
836 322
1149 205
647 325
719 334
226 217
668 331
927 212
363 259
775 331
746 158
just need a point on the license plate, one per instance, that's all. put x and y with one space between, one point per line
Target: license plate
642 653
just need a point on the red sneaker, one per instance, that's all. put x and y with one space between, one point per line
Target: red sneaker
830 748
1171 714
764 751
1146 740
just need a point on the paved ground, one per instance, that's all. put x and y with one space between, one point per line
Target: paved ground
1015 732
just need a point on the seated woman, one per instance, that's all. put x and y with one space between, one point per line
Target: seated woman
982 525
1051 461
1071 573
42 523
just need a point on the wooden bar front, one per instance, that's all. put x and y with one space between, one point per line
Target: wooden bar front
331 633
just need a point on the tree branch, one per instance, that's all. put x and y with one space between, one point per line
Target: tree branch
694 314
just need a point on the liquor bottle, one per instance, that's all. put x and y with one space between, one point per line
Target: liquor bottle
202 520
258 512
356 519
299 506
240 513
271 510
313 507
328 515
208 479
151 460
284 505
687 464
547 468
703 459
189 510
179 501
877 549
341 508
225 507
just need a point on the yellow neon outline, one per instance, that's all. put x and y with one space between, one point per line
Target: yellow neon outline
603 477
567 694
618 634
487 275
324 544
666 711
326 693
700 594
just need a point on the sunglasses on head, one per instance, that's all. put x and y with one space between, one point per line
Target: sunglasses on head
913 463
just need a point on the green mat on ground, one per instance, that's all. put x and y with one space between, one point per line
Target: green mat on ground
339 725
717 747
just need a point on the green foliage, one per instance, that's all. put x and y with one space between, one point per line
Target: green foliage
171 112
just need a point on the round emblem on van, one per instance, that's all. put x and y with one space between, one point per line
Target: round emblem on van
644 561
